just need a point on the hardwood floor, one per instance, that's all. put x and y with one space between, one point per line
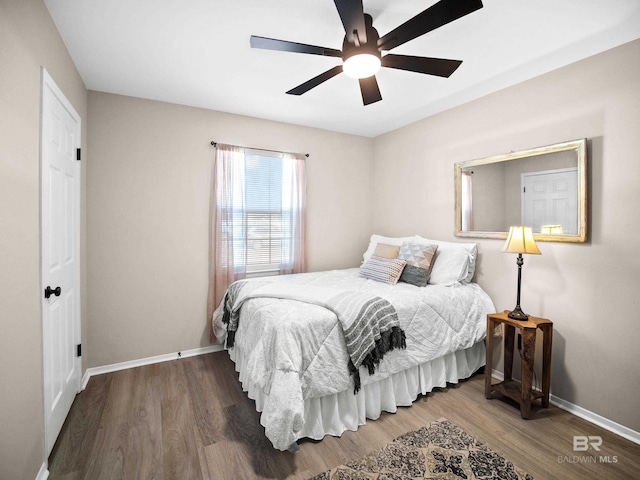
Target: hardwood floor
189 419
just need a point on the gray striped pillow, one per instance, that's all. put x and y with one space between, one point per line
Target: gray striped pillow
386 270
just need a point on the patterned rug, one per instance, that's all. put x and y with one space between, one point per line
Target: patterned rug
441 450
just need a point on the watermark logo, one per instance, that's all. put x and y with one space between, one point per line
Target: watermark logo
591 443
582 443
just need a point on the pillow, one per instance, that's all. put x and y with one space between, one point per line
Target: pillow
380 269
386 251
376 239
454 262
419 260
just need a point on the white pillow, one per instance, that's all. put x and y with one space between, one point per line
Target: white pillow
376 239
454 262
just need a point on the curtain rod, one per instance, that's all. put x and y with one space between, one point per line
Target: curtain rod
214 143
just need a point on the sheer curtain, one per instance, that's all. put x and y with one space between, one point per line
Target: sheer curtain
294 203
467 203
228 242
227 189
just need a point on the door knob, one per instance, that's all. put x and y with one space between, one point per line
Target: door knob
52 291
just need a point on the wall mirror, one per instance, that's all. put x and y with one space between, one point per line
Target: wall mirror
545 188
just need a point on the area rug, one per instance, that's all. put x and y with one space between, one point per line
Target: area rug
440 450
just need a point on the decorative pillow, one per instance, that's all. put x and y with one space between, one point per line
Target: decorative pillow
454 262
419 260
386 251
376 239
380 269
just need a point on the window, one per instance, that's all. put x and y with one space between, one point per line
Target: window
257 216
263 231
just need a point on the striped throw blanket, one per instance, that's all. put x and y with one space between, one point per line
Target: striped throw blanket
369 323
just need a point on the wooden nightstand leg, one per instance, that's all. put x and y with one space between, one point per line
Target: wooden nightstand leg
528 356
547 332
509 335
488 369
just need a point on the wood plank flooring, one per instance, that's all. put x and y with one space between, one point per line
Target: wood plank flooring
189 419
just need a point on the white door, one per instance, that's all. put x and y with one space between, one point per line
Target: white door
551 198
60 230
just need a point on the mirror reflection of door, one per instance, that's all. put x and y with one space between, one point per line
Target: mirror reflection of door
550 198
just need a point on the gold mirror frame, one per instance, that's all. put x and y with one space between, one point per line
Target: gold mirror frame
580 149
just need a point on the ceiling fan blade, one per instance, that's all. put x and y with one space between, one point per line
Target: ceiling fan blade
352 15
441 67
437 15
315 81
287 46
369 89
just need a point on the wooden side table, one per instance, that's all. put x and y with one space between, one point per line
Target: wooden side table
520 392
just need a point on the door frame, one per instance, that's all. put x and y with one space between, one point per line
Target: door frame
47 83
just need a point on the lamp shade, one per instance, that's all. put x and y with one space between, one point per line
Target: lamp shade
551 229
520 240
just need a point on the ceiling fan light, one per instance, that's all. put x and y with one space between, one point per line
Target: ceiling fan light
361 65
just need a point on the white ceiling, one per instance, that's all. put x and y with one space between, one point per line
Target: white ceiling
197 53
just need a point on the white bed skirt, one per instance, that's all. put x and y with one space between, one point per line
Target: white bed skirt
334 414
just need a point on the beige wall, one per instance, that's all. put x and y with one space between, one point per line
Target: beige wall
148 215
591 291
28 40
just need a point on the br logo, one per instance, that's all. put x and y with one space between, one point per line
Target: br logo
582 443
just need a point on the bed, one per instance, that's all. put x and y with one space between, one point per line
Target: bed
288 341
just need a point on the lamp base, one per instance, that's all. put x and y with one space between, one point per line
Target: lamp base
518 314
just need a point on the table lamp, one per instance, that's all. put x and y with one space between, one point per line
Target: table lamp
520 240
551 229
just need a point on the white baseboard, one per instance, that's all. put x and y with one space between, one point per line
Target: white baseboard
596 419
587 415
147 361
43 474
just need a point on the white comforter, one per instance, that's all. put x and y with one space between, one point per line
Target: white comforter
296 350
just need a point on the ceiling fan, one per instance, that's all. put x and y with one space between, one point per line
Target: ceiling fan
362 47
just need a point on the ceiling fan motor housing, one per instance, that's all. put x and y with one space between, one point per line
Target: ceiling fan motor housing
369 47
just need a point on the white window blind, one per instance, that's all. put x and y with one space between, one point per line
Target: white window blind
263 221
